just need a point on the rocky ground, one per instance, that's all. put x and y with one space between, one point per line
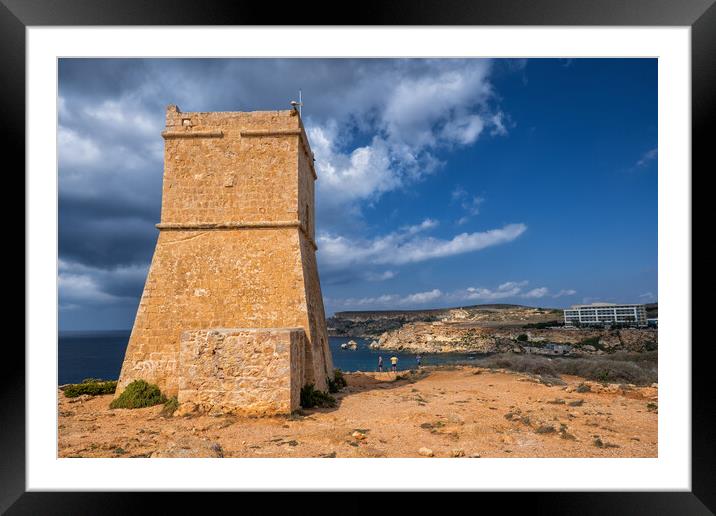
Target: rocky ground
459 412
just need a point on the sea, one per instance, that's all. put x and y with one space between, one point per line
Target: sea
99 354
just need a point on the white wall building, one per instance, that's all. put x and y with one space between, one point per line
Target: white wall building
605 313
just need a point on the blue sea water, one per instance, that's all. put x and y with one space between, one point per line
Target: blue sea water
99 354
90 354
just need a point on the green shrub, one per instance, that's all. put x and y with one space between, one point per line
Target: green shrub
637 368
603 376
591 341
538 344
541 325
522 337
91 386
139 394
338 381
532 364
310 397
170 407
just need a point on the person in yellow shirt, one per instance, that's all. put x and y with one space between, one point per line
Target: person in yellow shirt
394 363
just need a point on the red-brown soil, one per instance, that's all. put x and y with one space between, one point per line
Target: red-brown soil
453 412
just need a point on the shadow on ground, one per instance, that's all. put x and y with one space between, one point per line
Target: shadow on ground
364 382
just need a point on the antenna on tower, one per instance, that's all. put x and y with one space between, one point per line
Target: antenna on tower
298 105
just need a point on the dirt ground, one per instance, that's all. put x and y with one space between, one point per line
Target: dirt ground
461 412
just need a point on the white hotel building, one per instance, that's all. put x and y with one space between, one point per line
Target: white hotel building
605 313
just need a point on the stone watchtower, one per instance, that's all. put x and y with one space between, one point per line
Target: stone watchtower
232 313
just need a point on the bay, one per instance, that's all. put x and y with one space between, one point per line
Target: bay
99 354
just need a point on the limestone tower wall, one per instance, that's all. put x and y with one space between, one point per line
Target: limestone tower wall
236 244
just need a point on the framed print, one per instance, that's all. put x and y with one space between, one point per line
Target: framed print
423 251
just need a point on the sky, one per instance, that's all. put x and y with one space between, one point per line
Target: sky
443 182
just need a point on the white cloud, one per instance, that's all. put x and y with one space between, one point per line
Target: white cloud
469 203
122 115
423 106
509 285
78 287
75 149
407 246
536 293
464 130
565 292
498 124
62 107
647 157
446 97
361 174
423 226
417 298
380 276
507 290
422 297
78 283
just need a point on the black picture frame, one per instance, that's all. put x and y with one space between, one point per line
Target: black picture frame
17 15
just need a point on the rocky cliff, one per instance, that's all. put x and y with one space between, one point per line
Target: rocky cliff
441 337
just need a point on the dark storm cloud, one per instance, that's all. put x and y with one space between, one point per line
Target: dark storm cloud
86 286
89 79
126 287
105 242
338 277
215 84
103 208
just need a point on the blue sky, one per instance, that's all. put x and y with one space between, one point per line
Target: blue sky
441 182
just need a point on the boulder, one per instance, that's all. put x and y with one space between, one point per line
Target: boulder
426 452
351 344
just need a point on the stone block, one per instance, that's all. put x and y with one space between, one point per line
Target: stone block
246 371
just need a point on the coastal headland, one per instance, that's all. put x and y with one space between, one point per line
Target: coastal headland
487 329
